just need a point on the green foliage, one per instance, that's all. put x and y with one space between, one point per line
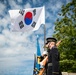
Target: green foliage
68 65
65 30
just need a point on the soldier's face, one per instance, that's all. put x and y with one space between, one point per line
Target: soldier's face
51 44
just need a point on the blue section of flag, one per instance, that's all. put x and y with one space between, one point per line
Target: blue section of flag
36 64
38 53
28 21
38 47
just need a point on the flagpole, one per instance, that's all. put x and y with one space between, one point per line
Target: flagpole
44 36
34 64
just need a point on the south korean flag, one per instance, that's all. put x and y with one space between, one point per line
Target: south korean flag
27 19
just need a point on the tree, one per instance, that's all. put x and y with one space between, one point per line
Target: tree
65 30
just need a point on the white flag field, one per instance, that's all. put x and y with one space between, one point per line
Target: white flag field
27 19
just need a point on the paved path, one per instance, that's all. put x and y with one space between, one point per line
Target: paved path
66 73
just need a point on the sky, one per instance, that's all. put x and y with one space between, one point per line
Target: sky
17 48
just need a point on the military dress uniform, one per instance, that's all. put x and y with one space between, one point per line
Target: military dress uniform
53 62
53 59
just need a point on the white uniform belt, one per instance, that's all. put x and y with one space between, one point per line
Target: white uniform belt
56 72
49 64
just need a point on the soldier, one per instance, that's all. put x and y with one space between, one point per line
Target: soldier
53 57
43 64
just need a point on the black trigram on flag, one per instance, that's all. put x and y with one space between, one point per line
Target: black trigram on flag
34 12
33 24
22 12
21 25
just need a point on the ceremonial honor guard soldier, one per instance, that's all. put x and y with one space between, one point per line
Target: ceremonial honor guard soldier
53 57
